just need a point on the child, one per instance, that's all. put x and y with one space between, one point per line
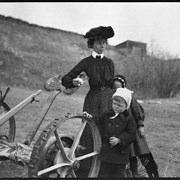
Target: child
118 132
139 147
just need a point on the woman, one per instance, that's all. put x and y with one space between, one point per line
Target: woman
100 71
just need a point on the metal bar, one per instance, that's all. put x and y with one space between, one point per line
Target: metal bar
5 117
87 155
76 140
73 173
41 117
53 168
61 147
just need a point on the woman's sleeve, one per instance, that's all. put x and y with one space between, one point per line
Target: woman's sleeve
137 112
67 79
113 67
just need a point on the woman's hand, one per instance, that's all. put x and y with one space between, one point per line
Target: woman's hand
77 82
114 140
141 131
87 115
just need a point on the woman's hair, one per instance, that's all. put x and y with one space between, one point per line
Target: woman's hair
90 42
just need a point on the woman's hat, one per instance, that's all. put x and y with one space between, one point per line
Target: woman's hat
100 32
124 93
120 78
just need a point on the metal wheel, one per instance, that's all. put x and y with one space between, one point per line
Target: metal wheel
8 129
55 152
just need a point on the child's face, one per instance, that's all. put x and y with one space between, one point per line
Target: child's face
99 45
118 107
116 84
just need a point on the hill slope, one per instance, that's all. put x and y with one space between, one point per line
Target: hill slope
29 53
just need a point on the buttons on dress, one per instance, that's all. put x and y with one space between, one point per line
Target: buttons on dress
110 124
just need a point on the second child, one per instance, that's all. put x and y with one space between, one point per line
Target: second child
139 147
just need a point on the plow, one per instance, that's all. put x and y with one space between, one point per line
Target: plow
55 153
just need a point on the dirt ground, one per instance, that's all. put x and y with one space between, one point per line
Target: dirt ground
162 126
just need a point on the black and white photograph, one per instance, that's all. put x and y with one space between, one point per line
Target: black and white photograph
89 90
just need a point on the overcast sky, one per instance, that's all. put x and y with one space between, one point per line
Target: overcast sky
145 22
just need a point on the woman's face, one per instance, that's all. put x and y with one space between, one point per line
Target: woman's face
99 45
116 84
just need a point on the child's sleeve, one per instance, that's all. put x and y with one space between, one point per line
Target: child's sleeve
137 112
128 136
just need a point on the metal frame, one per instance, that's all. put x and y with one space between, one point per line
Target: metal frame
32 156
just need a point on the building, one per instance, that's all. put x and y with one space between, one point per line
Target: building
132 47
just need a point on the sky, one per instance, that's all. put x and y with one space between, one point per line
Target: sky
154 23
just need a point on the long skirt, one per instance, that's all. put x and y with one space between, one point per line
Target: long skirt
109 170
139 146
96 102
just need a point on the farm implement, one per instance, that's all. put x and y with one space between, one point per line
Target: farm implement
55 153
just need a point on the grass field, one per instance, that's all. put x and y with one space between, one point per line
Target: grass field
162 125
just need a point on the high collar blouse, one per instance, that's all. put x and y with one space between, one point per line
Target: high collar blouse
99 71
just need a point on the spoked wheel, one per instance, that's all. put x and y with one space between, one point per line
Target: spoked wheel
55 154
8 129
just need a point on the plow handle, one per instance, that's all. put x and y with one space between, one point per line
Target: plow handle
41 117
5 117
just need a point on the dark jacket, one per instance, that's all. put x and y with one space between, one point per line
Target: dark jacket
123 127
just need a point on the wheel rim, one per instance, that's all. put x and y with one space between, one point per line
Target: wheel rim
8 129
65 162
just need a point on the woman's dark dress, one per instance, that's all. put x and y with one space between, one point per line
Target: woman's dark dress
99 96
139 145
100 73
